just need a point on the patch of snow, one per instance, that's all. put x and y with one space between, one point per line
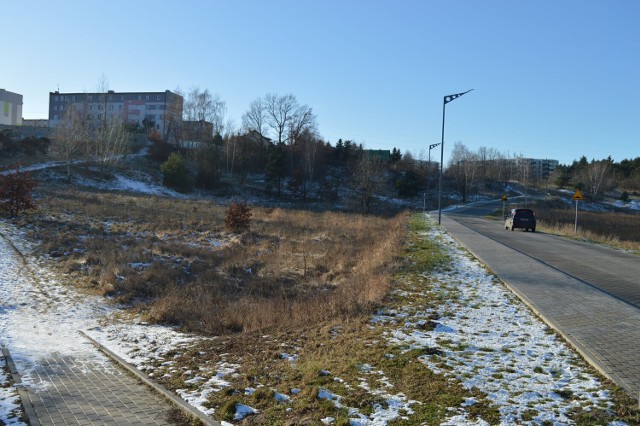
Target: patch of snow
243 411
10 409
491 342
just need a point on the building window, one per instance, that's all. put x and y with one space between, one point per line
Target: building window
122 97
158 98
55 107
147 97
139 97
90 98
73 98
55 99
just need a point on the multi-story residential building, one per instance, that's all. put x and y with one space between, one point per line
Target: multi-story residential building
160 110
10 108
540 168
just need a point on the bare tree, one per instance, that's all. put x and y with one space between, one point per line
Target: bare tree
368 176
308 146
111 140
464 165
70 138
201 108
596 174
280 111
255 119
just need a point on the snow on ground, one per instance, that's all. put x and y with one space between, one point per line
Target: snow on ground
631 204
10 409
39 317
142 185
488 339
492 342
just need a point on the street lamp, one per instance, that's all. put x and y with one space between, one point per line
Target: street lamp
433 145
445 101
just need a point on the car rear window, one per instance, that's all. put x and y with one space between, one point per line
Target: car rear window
524 213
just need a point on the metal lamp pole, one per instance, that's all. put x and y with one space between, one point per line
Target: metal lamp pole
445 101
433 145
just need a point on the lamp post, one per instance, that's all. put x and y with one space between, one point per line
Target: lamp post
445 101
433 145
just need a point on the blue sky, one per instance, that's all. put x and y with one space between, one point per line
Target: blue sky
552 79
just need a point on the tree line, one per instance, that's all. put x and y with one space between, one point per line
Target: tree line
278 140
472 172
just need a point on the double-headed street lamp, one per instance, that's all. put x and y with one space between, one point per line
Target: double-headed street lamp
445 101
433 145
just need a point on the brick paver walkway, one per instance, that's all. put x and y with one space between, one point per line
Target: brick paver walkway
93 393
63 379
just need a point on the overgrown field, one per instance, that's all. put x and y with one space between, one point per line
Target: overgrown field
614 228
174 261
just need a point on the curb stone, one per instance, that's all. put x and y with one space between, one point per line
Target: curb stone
161 390
27 405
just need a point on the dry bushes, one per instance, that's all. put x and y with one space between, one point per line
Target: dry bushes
176 260
295 267
620 229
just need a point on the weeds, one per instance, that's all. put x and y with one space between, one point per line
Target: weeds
177 261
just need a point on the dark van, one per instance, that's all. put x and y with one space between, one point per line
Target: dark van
521 218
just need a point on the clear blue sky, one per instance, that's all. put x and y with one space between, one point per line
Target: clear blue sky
551 78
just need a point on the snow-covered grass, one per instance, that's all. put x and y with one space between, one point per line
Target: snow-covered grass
487 340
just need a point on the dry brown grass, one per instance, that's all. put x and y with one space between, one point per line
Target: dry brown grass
175 260
617 229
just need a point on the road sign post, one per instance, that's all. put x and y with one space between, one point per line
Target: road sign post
504 205
577 197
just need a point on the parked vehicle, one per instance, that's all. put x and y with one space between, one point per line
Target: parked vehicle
521 218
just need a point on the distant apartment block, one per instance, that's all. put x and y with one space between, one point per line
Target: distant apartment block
162 110
10 108
540 168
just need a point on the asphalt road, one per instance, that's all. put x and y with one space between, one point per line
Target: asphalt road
612 271
588 293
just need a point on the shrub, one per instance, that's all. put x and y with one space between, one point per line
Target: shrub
15 192
175 173
238 216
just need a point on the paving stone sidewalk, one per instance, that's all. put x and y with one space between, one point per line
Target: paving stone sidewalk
61 377
603 328
69 391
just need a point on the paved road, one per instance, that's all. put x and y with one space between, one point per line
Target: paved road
590 294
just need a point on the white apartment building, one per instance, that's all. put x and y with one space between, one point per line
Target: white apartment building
540 168
10 108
